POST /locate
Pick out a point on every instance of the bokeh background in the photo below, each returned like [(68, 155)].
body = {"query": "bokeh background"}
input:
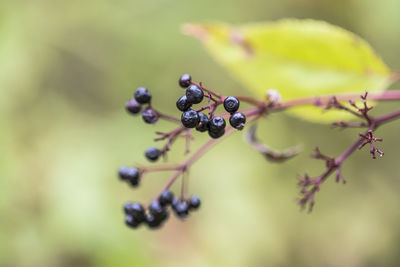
[(66, 70)]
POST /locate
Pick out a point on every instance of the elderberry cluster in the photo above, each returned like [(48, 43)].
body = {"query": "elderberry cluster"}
[(214, 125), (157, 212), (141, 97)]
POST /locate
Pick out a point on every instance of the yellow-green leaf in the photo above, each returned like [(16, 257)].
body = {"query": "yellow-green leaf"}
[(299, 58)]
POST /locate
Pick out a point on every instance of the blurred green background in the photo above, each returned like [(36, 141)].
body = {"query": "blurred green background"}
[(67, 68)]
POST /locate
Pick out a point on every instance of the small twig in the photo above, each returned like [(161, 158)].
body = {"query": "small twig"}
[(200, 84), (370, 139), (309, 186), (343, 124)]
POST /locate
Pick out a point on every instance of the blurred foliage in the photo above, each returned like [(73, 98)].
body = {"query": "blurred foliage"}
[(67, 67), (299, 58)]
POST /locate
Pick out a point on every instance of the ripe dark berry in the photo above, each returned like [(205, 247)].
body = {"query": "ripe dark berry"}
[(216, 135), (190, 118), (130, 174), (181, 209), (203, 123), (134, 183), (157, 210), (217, 124), (155, 207), (175, 202), (237, 120), (194, 202), (142, 95), (185, 80), (152, 153), (149, 116), (131, 221), (152, 221), (166, 198), (133, 106), (231, 104), (136, 210), (183, 104), (194, 94)]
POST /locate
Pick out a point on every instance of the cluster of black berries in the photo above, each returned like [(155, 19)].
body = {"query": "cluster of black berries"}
[(141, 97), (192, 119), (157, 212)]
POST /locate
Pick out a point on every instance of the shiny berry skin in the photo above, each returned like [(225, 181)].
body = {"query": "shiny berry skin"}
[(194, 202), (157, 210), (142, 95), (185, 80), (155, 207), (181, 209), (231, 104), (175, 202), (183, 104), (217, 124), (129, 174), (190, 118), (166, 198), (136, 210), (152, 221), (133, 107), (237, 120), (152, 153), (203, 123), (194, 94), (216, 135), (131, 221), (149, 116)]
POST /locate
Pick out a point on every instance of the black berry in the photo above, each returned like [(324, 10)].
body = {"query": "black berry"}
[(217, 124), (133, 106), (153, 222), (194, 202), (152, 153), (134, 183), (185, 80), (142, 95), (194, 94), (181, 209), (149, 116), (216, 135), (237, 120), (190, 118), (129, 174), (183, 104), (131, 221), (203, 123), (175, 202), (231, 104), (136, 210), (157, 210), (166, 198)]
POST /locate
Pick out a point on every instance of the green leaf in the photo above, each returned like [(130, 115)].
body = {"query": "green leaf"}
[(299, 58)]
